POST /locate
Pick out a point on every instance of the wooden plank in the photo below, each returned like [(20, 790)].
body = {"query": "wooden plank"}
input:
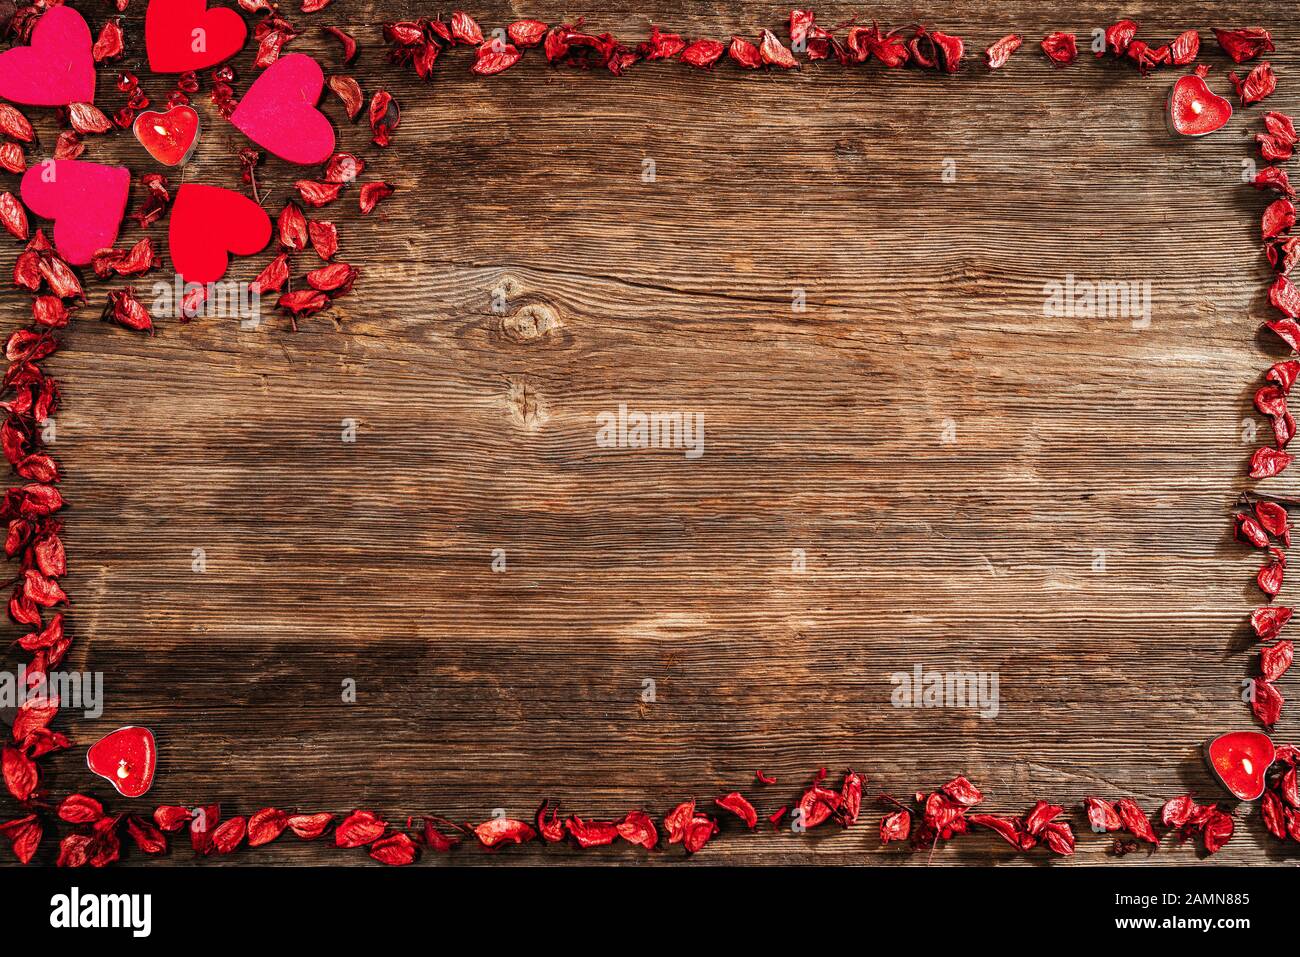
[(951, 461)]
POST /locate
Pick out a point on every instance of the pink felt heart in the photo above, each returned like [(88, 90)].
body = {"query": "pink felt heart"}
[(57, 68), (85, 200), (279, 111), (208, 223)]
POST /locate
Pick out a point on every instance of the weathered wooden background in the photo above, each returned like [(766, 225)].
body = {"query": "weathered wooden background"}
[(951, 462)]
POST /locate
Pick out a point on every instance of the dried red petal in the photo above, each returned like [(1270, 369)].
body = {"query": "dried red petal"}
[(228, 835), (1266, 701), (1135, 820), (24, 835), (435, 840), (1273, 518), (12, 158), (171, 817), (676, 820), (12, 216), (88, 118), (346, 39), (1276, 179), (495, 57), (1271, 575), (1008, 828), (385, 117), (1269, 620), (549, 824), (703, 54), (895, 826), (1218, 831), (1266, 463), (1250, 531), (1059, 837), (1258, 84), (1285, 298), (637, 828), (273, 277), (148, 839), (699, 830), (80, 809), (1271, 809), (266, 825), (745, 53), (317, 194), (324, 238), (999, 52), (20, 773), (396, 850), (591, 833), (292, 226), (349, 91), (310, 826), (372, 194), (1244, 44), (1118, 37), (464, 29), (1185, 48), (526, 33), (303, 302), (1102, 816), (773, 52), (344, 168), (1275, 660), (1060, 48), (109, 44), (736, 803), (14, 125), (502, 830), (127, 310), (336, 278), (357, 829)]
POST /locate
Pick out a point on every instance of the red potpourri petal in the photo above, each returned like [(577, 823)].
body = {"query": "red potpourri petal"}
[(999, 52), (1060, 48), (1244, 44)]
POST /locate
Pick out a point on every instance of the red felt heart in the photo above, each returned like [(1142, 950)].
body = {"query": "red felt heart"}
[(169, 137), (1239, 760), (1195, 109), (127, 758), (182, 35), (208, 223), (57, 68)]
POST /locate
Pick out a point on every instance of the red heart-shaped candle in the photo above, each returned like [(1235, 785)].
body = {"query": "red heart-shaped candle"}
[(169, 137), (127, 758), (1194, 109), (1239, 759)]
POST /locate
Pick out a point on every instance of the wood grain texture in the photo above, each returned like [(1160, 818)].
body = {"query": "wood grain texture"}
[(825, 430)]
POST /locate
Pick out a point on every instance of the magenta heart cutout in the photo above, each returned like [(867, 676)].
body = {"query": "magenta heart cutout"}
[(85, 200), (57, 69), (279, 111)]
